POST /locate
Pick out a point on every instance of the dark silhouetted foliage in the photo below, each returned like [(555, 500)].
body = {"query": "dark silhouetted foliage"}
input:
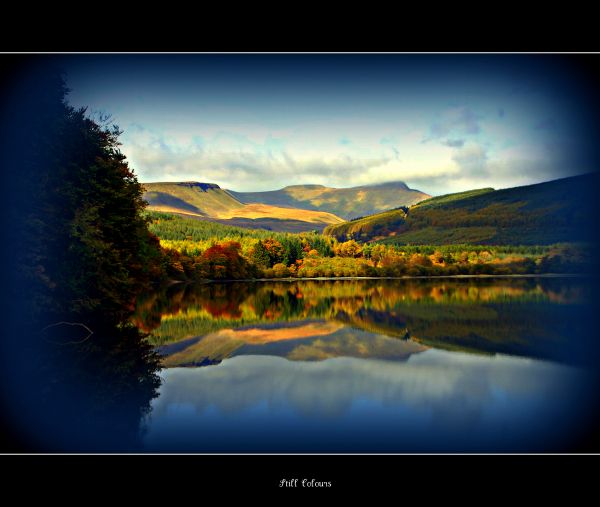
[(80, 254)]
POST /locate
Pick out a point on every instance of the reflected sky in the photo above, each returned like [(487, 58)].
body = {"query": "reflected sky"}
[(434, 401), (471, 365)]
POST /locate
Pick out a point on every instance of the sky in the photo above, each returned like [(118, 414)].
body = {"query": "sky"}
[(440, 123)]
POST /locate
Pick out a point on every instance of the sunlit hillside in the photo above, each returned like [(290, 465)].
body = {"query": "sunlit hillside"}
[(207, 201)]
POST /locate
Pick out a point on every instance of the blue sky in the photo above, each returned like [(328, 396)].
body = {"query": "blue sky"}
[(441, 123)]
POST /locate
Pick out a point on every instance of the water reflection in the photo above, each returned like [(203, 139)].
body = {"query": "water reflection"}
[(84, 392), (311, 320), (372, 366)]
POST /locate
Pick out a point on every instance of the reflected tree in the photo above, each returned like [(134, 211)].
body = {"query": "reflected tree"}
[(544, 318)]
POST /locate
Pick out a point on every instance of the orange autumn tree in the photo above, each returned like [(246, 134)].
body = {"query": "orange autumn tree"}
[(275, 250), (224, 261)]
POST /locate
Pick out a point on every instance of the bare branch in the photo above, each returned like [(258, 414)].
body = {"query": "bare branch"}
[(69, 324)]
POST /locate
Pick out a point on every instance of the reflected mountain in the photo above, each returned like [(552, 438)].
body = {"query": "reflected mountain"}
[(203, 324), (304, 341)]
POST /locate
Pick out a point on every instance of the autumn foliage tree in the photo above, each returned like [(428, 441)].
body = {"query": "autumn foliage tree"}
[(275, 250), (349, 248), (224, 261)]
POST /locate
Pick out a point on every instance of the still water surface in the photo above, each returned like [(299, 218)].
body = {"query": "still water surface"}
[(461, 365)]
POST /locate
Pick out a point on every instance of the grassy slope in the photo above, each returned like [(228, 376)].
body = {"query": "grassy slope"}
[(254, 211), (201, 199), (274, 224), (209, 201), (544, 213), (367, 228), (441, 200), (344, 202)]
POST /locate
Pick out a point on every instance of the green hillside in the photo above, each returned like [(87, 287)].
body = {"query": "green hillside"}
[(441, 200), (347, 203), (552, 212)]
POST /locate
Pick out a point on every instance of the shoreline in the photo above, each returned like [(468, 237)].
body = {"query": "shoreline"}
[(406, 277)]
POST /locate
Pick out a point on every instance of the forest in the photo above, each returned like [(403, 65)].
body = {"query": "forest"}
[(199, 250)]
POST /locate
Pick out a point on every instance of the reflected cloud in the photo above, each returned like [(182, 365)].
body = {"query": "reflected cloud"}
[(434, 391)]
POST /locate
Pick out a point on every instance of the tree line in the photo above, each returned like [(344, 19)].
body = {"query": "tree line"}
[(197, 250)]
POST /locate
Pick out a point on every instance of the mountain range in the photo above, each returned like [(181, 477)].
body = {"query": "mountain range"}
[(347, 203), (294, 208), (544, 213), (208, 201)]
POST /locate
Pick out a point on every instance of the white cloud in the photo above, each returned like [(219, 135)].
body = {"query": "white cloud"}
[(467, 150), (236, 161)]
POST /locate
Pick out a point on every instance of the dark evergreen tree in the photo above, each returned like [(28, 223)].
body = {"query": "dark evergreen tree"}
[(292, 250), (260, 255)]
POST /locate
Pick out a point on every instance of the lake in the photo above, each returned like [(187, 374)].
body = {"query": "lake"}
[(414, 365)]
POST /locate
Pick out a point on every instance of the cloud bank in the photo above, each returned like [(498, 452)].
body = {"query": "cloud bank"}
[(457, 150)]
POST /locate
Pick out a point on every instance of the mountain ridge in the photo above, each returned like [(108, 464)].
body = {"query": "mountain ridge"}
[(294, 208), (347, 202)]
